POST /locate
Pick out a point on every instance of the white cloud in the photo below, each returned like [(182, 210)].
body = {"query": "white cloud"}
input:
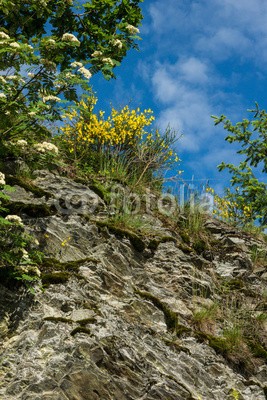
[(221, 28), (167, 16), (193, 70), (166, 87), (186, 106), (224, 43)]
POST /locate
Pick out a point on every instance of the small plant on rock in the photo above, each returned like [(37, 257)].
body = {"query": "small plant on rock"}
[(19, 256)]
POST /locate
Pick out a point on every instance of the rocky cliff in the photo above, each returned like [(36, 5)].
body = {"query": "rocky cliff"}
[(123, 313)]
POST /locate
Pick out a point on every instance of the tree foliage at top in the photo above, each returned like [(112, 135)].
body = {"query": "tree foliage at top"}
[(248, 178), (49, 48), (97, 24)]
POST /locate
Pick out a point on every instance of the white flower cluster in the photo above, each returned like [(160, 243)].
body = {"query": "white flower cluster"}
[(107, 60), (46, 146), (3, 35), (50, 42), (97, 54), (117, 43), (132, 29), (22, 143), (69, 37), (2, 179), (2, 96), (76, 64), (50, 98), (14, 218), (15, 45), (85, 72), (69, 75), (43, 3), (12, 77), (2, 79)]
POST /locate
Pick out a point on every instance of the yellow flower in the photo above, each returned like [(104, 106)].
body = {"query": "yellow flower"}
[(65, 242)]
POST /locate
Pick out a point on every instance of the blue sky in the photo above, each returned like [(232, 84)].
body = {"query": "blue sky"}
[(197, 58)]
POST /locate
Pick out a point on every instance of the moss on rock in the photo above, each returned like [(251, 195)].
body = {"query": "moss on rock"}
[(27, 185), (55, 277), (137, 242), (80, 329), (171, 318)]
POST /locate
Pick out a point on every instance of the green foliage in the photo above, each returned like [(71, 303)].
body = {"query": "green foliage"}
[(206, 314), (258, 256), (133, 222), (233, 328), (192, 229), (99, 25), (249, 191), (19, 256), (4, 198), (48, 49)]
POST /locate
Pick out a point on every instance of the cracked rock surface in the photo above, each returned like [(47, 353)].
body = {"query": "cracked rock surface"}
[(120, 327)]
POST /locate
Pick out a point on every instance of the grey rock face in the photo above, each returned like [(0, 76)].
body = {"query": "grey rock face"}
[(108, 333), (62, 196), (69, 197)]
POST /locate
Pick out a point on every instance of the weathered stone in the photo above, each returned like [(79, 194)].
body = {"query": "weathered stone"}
[(123, 325), (82, 315), (69, 197), (22, 196)]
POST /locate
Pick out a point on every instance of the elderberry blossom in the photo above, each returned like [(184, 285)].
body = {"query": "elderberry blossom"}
[(97, 54), (132, 29), (14, 218), (22, 143), (69, 37), (76, 64), (85, 72), (15, 45), (2, 179), (3, 35), (107, 60), (117, 43), (46, 146), (50, 98)]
